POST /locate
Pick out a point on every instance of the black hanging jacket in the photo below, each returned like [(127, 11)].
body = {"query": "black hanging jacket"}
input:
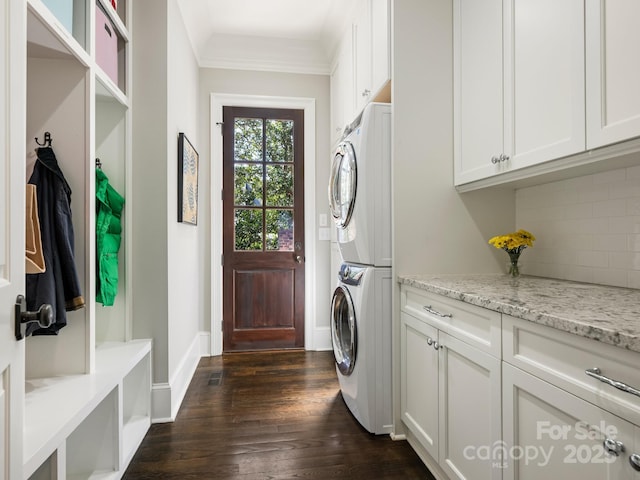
[(58, 285)]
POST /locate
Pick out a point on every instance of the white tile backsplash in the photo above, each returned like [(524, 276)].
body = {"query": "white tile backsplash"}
[(587, 228)]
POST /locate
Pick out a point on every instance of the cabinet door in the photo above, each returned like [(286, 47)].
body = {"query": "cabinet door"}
[(419, 381), (613, 71), (478, 89), (341, 84), (362, 53), (470, 410), (544, 80), (549, 433), (380, 44)]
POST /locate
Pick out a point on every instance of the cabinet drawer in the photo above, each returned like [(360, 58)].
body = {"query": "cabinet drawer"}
[(562, 358), (475, 325)]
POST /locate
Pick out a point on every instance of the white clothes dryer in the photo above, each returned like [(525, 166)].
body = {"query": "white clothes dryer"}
[(360, 188), (361, 337)]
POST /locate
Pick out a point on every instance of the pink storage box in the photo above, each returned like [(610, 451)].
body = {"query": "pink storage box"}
[(106, 45)]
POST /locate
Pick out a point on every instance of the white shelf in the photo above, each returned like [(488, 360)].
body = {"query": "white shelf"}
[(95, 476), (107, 89), (56, 406)]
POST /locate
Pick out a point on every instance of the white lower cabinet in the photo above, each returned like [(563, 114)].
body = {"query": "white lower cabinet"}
[(490, 396), (450, 399), (419, 381), (550, 433)]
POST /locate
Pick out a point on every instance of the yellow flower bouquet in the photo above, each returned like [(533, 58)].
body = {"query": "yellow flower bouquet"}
[(513, 244)]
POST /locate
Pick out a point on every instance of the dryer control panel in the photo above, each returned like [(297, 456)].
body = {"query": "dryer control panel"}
[(351, 274)]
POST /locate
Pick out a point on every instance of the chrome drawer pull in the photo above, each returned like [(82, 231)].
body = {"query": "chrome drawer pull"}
[(434, 312), (597, 374)]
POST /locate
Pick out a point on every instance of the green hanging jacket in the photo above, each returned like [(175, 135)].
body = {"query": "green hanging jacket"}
[(109, 205)]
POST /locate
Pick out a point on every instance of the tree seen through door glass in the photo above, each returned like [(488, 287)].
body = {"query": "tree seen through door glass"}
[(263, 177), (247, 141), (248, 223), (248, 184), (279, 141)]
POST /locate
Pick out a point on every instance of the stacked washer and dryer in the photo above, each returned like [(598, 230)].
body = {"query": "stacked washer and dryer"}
[(360, 199)]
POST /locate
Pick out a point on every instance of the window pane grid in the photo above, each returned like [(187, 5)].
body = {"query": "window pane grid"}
[(263, 184)]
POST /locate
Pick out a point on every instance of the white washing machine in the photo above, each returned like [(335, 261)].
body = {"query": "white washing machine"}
[(361, 337), (360, 188)]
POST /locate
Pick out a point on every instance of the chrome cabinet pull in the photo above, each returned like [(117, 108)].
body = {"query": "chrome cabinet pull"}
[(434, 312), (495, 160), (429, 341), (597, 374), (436, 345), (612, 446), (634, 460)]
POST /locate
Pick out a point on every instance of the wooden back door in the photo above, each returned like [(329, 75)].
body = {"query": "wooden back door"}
[(263, 229)]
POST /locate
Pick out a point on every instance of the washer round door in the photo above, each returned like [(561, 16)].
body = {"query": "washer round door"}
[(342, 184), (344, 335)]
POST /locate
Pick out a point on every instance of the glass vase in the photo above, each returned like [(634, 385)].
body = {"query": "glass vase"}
[(514, 269)]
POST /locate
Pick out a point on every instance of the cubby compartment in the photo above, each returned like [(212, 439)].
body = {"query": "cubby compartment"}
[(111, 119), (110, 40), (136, 403), (70, 16), (92, 448), (57, 85)]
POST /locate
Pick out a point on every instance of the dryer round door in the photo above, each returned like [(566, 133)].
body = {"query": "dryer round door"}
[(343, 183), (344, 335)]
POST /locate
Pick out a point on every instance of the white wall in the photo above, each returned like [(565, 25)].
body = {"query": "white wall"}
[(243, 82), (187, 272), (587, 228), (169, 299), (149, 197), (436, 229)]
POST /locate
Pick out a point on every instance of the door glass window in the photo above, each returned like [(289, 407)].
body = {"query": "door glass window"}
[(263, 184)]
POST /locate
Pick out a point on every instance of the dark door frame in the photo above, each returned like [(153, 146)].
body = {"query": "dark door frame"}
[(316, 337)]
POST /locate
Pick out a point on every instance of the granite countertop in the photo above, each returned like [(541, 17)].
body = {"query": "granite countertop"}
[(607, 314)]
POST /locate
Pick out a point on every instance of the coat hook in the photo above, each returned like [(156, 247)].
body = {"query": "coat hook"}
[(47, 140)]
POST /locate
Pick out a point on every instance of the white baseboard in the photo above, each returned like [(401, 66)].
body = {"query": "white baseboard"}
[(166, 398), (321, 339)]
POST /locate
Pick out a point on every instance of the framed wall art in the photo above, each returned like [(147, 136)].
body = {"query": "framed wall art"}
[(187, 181)]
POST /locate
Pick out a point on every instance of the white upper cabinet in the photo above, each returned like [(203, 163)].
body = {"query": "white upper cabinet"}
[(519, 93), (362, 53), (540, 84), (362, 66), (613, 71), (544, 80), (380, 45), (478, 90), (341, 84)]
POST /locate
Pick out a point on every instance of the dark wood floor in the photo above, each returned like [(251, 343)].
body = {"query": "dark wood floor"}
[(275, 415)]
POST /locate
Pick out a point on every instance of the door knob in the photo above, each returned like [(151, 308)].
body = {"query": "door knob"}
[(298, 258), (43, 316)]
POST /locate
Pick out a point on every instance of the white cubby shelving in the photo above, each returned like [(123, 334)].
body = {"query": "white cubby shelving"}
[(87, 389)]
